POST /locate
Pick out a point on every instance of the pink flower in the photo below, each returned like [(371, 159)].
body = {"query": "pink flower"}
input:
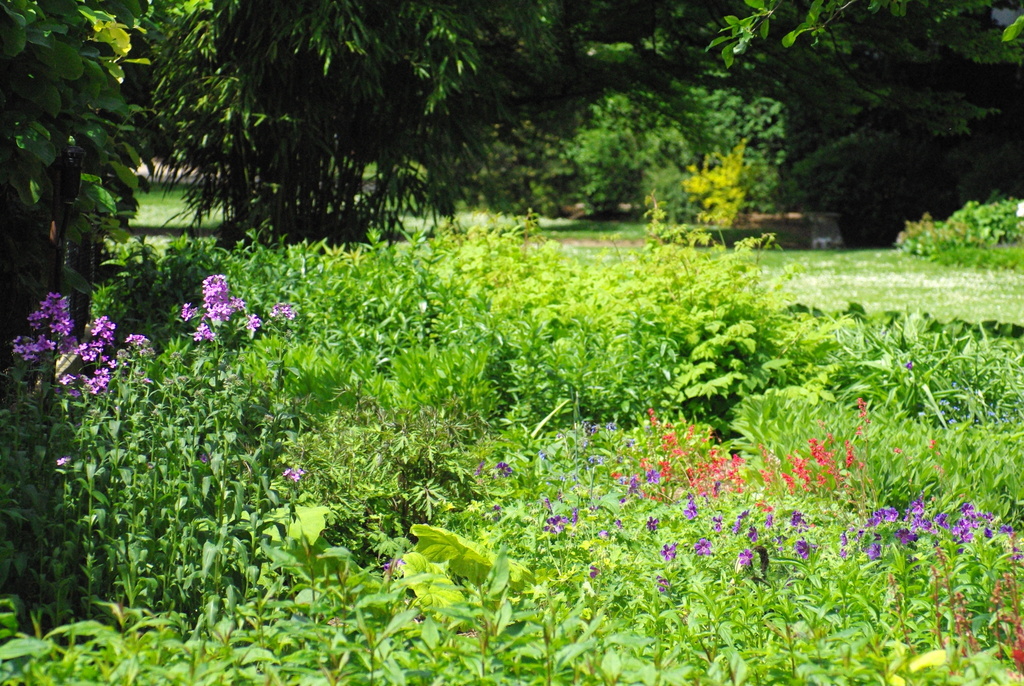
[(188, 311)]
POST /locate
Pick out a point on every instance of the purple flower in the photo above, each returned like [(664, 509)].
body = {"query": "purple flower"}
[(203, 333), (739, 521), (556, 524), (204, 458), (634, 485), (294, 474), (716, 523), (752, 534), (594, 571), (905, 536), (702, 547), (798, 521), (188, 311), (1006, 529), (30, 349), (874, 551), (618, 523), (253, 323), (503, 469), (802, 548), (217, 299), (282, 310), (668, 553), (603, 535), (61, 461), (909, 365), (99, 381), (942, 520), (690, 511), (392, 565), (663, 585), (745, 558), (769, 521), (652, 524)]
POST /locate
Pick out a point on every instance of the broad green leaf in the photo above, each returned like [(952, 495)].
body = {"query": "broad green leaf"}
[(1014, 29), (464, 557), (12, 38), (29, 190), (21, 647), (64, 60), (933, 658), (428, 581), (727, 55), (101, 196), (309, 523)]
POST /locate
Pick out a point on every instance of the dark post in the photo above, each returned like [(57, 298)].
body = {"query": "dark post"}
[(69, 183)]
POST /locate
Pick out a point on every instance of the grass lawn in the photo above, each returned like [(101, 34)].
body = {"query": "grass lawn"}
[(163, 210), (886, 280)]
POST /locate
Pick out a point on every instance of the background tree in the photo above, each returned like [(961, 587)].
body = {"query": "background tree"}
[(892, 113), (323, 118)]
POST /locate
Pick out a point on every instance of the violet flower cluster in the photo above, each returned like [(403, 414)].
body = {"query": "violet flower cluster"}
[(53, 326), (219, 306)]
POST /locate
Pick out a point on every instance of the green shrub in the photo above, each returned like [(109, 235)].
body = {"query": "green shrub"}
[(380, 471), (947, 373), (1011, 258), (906, 458), (681, 329), (975, 225)]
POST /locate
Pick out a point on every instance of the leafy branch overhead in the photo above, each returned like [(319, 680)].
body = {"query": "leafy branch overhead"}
[(739, 32)]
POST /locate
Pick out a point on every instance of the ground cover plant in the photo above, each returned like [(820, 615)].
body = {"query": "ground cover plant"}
[(472, 459)]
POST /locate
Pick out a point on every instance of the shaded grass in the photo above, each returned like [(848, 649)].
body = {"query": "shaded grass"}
[(163, 210)]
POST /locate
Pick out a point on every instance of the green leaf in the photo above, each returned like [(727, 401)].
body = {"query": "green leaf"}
[(1014, 29), (12, 37), (29, 190), (101, 196), (727, 55), (76, 281), (428, 581), (21, 647), (309, 523), (464, 557), (756, 4), (790, 38), (64, 60)]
